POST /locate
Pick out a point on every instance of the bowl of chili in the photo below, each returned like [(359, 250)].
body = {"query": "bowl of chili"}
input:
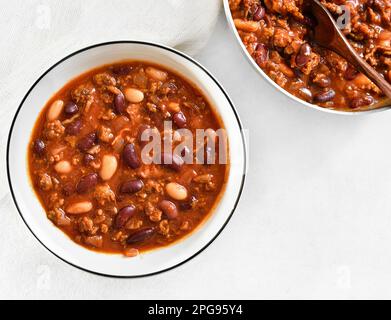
[(80, 178), (275, 37)]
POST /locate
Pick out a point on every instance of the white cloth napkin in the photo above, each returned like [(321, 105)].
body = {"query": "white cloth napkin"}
[(37, 33)]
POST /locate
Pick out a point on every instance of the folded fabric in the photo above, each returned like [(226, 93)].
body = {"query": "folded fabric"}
[(36, 34)]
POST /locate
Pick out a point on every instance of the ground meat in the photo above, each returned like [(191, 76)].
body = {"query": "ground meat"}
[(94, 241), (54, 130), (104, 195), (284, 7), (45, 182), (164, 227), (152, 212), (58, 216), (83, 94), (281, 38), (134, 224), (312, 63), (86, 225), (336, 62), (105, 134), (104, 79)]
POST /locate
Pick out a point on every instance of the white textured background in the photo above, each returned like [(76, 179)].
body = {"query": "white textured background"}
[(315, 217)]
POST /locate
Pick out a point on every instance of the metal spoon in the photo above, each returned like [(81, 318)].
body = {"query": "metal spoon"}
[(328, 35)]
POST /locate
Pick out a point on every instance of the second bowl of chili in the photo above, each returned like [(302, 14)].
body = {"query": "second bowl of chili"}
[(275, 36)]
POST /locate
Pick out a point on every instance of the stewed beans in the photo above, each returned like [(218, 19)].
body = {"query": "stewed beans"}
[(88, 168), (278, 35)]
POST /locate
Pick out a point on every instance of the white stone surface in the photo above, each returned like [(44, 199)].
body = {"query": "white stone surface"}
[(314, 220)]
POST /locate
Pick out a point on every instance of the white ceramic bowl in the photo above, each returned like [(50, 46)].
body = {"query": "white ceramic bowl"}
[(275, 85), (30, 209)]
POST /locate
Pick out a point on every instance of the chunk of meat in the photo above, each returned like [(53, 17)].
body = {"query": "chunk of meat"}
[(164, 228), (58, 216), (104, 195), (284, 7), (94, 241), (104, 79), (134, 224), (105, 134), (152, 212), (83, 94), (86, 225), (281, 38), (45, 182), (54, 130)]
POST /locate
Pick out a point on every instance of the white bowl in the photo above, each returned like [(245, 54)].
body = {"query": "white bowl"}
[(33, 214), (275, 85)]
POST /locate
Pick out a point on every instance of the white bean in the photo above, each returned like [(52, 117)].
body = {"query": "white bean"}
[(63, 167), (246, 26), (108, 167), (176, 191), (79, 207), (55, 110), (134, 95), (156, 74)]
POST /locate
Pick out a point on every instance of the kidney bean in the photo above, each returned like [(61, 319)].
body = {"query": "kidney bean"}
[(130, 156), (180, 119), (169, 209), (132, 186), (71, 108), (122, 70), (88, 158), (259, 13), (304, 55), (124, 215), (74, 128), (87, 142), (261, 54), (350, 73), (172, 161), (141, 235), (87, 183), (189, 204), (324, 96), (39, 147), (120, 104), (360, 102)]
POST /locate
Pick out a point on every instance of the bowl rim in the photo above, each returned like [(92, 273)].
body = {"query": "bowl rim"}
[(174, 51), (275, 85)]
